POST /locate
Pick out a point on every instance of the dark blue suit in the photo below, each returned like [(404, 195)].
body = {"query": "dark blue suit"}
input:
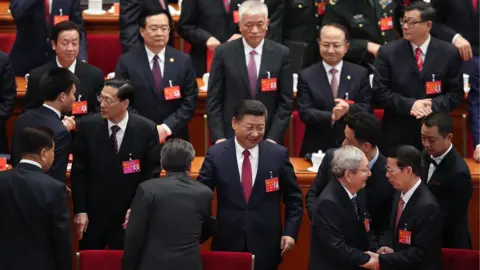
[(44, 117), (255, 227), (32, 47)]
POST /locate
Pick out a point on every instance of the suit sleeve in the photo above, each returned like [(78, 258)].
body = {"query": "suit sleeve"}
[(8, 92), (439, 29), (129, 26), (453, 86), (327, 228), (209, 222), (151, 163), (426, 236), (319, 183), (62, 150), (189, 89), (79, 173), (22, 9), (283, 110), (276, 11), (121, 70), (207, 171), (308, 114), (77, 18), (214, 102), (62, 242), (362, 100), (136, 231), (382, 94), (33, 96), (292, 198), (187, 25)]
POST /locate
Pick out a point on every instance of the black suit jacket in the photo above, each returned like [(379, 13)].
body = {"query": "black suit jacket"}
[(8, 93), (91, 84), (151, 103), (202, 19), (379, 192), (422, 217), (151, 241), (451, 184), (97, 176), (35, 228), (229, 84), (457, 17), (257, 224), (316, 102), (45, 117), (339, 237), (33, 29), (397, 84)]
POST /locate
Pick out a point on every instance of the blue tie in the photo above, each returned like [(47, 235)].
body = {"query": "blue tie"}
[(355, 204)]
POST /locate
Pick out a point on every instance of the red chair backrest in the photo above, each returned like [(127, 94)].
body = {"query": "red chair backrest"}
[(99, 260), (215, 260), (460, 259)]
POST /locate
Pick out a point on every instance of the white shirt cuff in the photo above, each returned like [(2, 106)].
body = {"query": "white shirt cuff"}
[(167, 129), (478, 146), (455, 37)]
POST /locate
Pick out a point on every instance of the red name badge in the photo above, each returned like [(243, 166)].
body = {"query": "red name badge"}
[(80, 107), (404, 237), (236, 17), (433, 88), (269, 85), (321, 8), (172, 92), (3, 164), (131, 166), (366, 222), (386, 23), (59, 19), (272, 185), (350, 102)]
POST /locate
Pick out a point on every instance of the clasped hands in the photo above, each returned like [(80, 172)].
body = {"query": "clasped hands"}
[(421, 108), (374, 263), (341, 109)]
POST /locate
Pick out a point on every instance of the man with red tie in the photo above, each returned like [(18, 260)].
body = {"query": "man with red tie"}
[(415, 76), (252, 178)]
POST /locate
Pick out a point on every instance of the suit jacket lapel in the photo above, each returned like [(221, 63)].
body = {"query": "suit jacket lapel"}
[(324, 86), (429, 57), (81, 73), (438, 174), (346, 202), (259, 184), (231, 162), (146, 71), (344, 82), (128, 139), (262, 73), (168, 68), (409, 207), (410, 56), (242, 64)]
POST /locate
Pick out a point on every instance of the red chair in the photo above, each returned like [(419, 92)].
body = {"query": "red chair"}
[(215, 260), (460, 259), (298, 131), (104, 51), (99, 260), (6, 41)]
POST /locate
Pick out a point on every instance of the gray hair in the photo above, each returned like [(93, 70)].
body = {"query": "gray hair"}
[(177, 155), (346, 158), (252, 7)]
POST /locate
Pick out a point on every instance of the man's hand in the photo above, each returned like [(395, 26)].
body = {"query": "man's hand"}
[(234, 36), (464, 48), (127, 216), (476, 154), (81, 220), (384, 250), (272, 141), (421, 108), (373, 263), (373, 48), (212, 43), (69, 122), (341, 107), (220, 140), (286, 244), (162, 134)]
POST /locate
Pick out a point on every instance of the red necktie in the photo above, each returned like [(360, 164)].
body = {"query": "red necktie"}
[(246, 175), (418, 57), (406, 2), (475, 5), (46, 9), (162, 3), (401, 203), (227, 4)]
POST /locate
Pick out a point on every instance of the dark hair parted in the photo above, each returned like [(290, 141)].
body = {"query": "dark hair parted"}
[(142, 21), (125, 88), (338, 26), (64, 26), (427, 12), (34, 139), (56, 81), (249, 107), (442, 121), (407, 156), (365, 126), (177, 155)]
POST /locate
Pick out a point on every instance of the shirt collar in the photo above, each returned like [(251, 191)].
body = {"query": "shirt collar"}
[(53, 109), (424, 46), (150, 55), (406, 197), (122, 124), (374, 159), (28, 161), (440, 158), (71, 67), (338, 67), (239, 150), (350, 195), (248, 49)]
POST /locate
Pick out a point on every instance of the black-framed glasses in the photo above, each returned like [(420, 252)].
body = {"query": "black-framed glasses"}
[(107, 100), (410, 23), (392, 170)]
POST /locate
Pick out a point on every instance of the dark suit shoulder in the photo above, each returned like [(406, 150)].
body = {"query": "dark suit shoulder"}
[(39, 71), (443, 45), (277, 46), (3, 57), (141, 121), (91, 69), (312, 71), (426, 199), (458, 165), (177, 53), (273, 147), (354, 68)]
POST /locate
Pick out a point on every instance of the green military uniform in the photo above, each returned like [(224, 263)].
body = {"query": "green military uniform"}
[(363, 19)]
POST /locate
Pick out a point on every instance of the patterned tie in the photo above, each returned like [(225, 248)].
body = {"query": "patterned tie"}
[(334, 83), (400, 206), (226, 3), (252, 73), (113, 138), (46, 9), (157, 73), (418, 57), (246, 175), (355, 204)]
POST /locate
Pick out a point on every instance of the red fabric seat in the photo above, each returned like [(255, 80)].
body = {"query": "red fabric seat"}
[(104, 51), (460, 259), (99, 260), (215, 260), (6, 41), (298, 132)]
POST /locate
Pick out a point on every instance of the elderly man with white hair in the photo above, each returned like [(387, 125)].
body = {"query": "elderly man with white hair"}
[(250, 68), (340, 230)]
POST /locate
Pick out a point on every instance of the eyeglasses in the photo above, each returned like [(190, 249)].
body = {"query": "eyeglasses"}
[(107, 100), (410, 23), (363, 170), (389, 170)]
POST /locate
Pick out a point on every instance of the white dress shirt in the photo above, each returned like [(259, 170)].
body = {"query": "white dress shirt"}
[(432, 168), (258, 55), (424, 48), (406, 197), (28, 161), (338, 67), (253, 159), (350, 195), (122, 125), (71, 67), (53, 109)]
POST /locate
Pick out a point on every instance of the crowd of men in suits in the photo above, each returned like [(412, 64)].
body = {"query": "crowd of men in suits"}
[(388, 193)]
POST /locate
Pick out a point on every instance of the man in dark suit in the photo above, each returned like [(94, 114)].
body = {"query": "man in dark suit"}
[(205, 24), (447, 176), (35, 225), (417, 220), (166, 89), (170, 216), (341, 223), (250, 68), (328, 90), (8, 93), (252, 177), (59, 87), (130, 17), (362, 131), (414, 77), (113, 152), (65, 41), (35, 21)]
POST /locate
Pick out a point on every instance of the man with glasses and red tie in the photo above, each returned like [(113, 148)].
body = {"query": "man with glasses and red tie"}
[(415, 76)]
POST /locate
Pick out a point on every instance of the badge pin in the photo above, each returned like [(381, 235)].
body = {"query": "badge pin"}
[(172, 60)]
